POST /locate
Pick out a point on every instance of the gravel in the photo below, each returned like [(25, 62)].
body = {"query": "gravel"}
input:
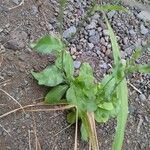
[(69, 32), (143, 29), (95, 39), (77, 64), (144, 15)]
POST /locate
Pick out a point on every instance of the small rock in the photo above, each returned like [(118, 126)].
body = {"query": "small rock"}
[(34, 10), (91, 32), (132, 32), (1, 30), (16, 1), (95, 39), (73, 50), (90, 46), (103, 48), (106, 32), (77, 64), (69, 32), (142, 97), (111, 14), (103, 66), (92, 25), (143, 29), (17, 40), (144, 15)]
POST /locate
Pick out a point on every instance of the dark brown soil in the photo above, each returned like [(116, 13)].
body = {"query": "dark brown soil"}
[(20, 27)]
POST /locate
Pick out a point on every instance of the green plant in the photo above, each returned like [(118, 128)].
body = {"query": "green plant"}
[(92, 101)]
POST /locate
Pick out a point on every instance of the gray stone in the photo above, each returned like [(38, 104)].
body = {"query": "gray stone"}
[(34, 10), (91, 32), (69, 32), (106, 32), (90, 46), (16, 1), (77, 64), (144, 15), (95, 39), (103, 66), (132, 32), (143, 29), (92, 25), (1, 30), (111, 14), (142, 97)]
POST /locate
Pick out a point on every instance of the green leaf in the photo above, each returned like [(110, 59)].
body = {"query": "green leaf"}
[(75, 96), (122, 94), (110, 8), (144, 68), (71, 117), (91, 106), (51, 76), (84, 134), (106, 106), (48, 44), (55, 94), (101, 115), (67, 64)]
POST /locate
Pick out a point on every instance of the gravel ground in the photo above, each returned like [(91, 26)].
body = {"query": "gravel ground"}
[(22, 25)]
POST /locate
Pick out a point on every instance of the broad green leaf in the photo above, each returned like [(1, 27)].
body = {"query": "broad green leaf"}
[(101, 115), (67, 64), (55, 94), (74, 96), (110, 8), (51, 76), (91, 106), (71, 117), (122, 94), (48, 44), (144, 68), (106, 106), (84, 134)]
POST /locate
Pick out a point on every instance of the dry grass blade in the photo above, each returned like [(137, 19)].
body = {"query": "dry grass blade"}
[(38, 146), (5, 130), (76, 132), (36, 110), (134, 88), (12, 99), (21, 3), (93, 139)]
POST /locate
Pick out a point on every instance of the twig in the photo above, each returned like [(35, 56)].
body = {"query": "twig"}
[(29, 106), (21, 3), (63, 130), (76, 131), (13, 99), (29, 139), (134, 88), (4, 82), (5, 130), (38, 146)]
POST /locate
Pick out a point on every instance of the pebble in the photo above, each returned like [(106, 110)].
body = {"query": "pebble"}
[(91, 32), (144, 15), (77, 64), (106, 32), (34, 10), (90, 46), (143, 29), (92, 25), (69, 32), (132, 32), (142, 97), (1, 30), (111, 14), (103, 66), (73, 50), (16, 1), (95, 39)]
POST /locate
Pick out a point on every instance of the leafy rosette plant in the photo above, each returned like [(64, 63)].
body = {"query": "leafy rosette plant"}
[(91, 101)]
